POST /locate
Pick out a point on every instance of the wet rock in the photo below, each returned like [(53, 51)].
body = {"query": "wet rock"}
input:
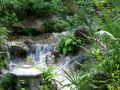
[(31, 45), (50, 59), (28, 41), (56, 54), (56, 37), (4, 71), (76, 62), (3, 48), (18, 51), (36, 23), (81, 33)]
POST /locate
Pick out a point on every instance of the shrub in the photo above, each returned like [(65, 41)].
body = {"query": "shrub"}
[(78, 80), (3, 34), (57, 27), (106, 63), (61, 26), (28, 32), (3, 63), (8, 82), (47, 79), (69, 44)]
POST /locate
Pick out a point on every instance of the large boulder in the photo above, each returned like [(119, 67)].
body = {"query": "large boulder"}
[(18, 51), (36, 23)]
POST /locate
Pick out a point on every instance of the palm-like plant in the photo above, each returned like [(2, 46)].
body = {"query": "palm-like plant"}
[(78, 80)]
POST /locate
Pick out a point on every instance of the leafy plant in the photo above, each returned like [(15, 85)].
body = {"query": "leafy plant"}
[(28, 32), (61, 26), (107, 66), (8, 20), (49, 75), (8, 82), (57, 27), (78, 80), (3, 34), (107, 63), (70, 44), (47, 78), (3, 62)]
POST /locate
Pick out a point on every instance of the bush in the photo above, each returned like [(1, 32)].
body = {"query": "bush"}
[(3, 35), (107, 63), (8, 82), (69, 44), (57, 27), (3, 62), (78, 80), (28, 32), (47, 80)]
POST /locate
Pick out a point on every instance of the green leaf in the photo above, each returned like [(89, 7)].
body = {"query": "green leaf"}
[(70, 49), (65, 50), (68, 41)]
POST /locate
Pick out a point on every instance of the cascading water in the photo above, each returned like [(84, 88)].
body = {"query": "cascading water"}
[(40, 52), (37, 52)]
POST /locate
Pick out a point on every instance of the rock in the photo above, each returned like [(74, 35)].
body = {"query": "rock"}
[(76, 62), (4, 71), (28, 41), (56, 54), (36, 23), (18, 51), (53, 19), (50, 59), (3, 48), (32, 48), (31, 45), (81, 33), (56, 37), (26, 71)]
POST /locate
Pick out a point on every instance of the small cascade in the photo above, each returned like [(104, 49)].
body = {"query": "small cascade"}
[(39, 53)]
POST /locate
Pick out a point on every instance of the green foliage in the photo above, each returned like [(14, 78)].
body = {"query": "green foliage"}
[(70, 44), (61, 26), (8, 20), (49, 75), (3, 62), (46, 8), (46, 83), (7, 82), (107, 66), (57, 27), (3, 34), (106, 62), (78, 80), (38, 7), (28, 32)]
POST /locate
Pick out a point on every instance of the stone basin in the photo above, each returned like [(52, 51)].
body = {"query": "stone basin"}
[(27, 73)]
